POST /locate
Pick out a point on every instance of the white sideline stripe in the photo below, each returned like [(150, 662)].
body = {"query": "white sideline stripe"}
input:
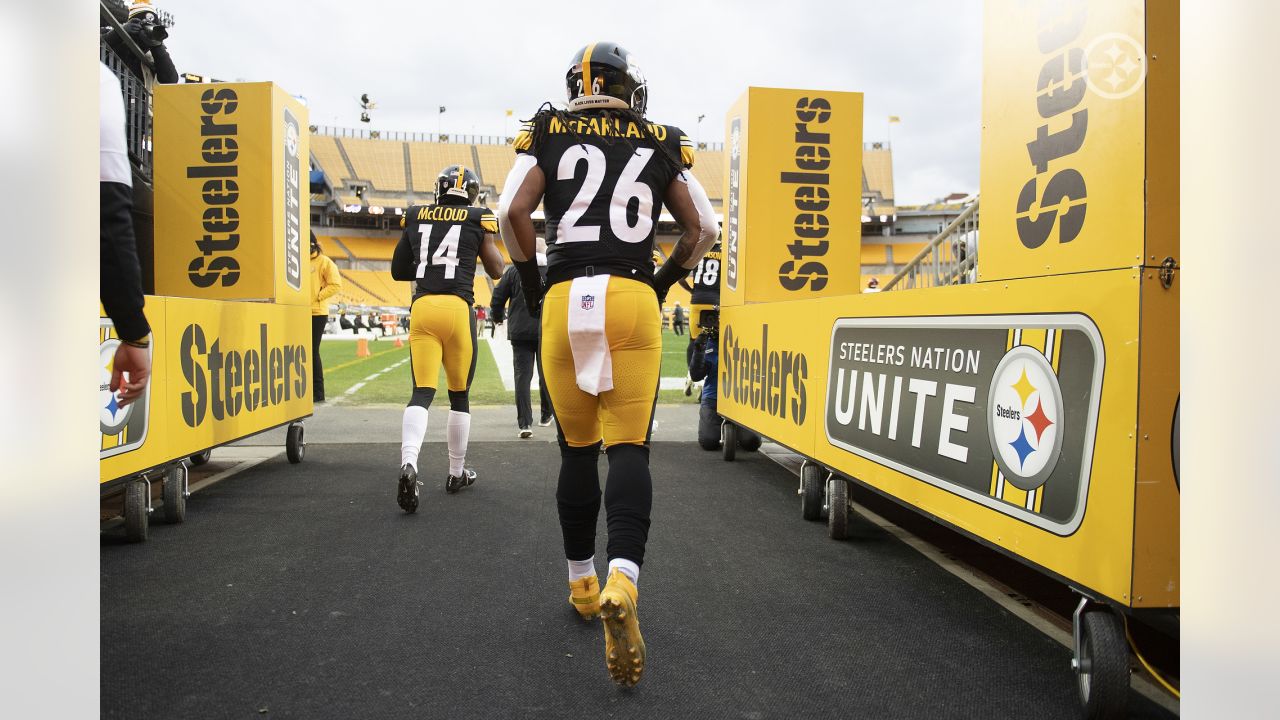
[(503, 357), (1035, 615), (356, 388)]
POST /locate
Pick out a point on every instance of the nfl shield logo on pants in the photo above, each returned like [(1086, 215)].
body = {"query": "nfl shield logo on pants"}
[(588, 302)]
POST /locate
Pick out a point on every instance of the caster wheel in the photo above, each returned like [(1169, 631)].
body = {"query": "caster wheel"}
[(175, 494), (729, 448), (201, 458), (295, 445), (837, 508), (1102, 671), (750, 441), (135, 510), (810, 491)]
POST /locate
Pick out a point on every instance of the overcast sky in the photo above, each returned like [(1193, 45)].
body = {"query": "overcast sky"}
[(917, 59)]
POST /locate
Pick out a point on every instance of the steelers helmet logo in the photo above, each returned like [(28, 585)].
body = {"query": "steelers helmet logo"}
[(291, 139), (1116, 65), (1025, 422), (111, 416)]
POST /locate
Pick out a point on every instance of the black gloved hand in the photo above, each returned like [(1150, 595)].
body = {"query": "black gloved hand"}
[(669, 274), (531, 286)]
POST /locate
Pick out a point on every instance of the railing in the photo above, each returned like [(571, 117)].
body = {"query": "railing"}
[(137, 99), (406, 136), (950, 258)]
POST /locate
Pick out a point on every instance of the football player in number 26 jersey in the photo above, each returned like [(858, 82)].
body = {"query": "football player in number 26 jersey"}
[(437, 252), (603, 173)]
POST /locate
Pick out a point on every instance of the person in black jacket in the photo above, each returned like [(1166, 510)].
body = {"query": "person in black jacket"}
[(145, 29), (524, 333), (120, 274)]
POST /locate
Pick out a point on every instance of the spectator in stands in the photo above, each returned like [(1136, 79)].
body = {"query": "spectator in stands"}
[(120, 275), (873, 285), (146, 31), (524, 333), (326, 281), (677, 319)]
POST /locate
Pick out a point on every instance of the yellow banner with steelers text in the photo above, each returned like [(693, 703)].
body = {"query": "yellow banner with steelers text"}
[(220, 371), (232, 198), (792, 214)]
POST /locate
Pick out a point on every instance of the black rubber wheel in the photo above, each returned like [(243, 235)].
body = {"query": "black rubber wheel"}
[(135, 510), (1102, 679), (201, 458), (837, 508), (750, 441), (175, 494), (729, 448), (295, 445), (810, 491)]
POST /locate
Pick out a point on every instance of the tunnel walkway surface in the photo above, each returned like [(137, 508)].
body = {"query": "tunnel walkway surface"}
[(302, 591)]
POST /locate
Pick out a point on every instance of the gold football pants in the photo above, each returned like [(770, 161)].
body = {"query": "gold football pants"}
[(442, 329), (623, 415)]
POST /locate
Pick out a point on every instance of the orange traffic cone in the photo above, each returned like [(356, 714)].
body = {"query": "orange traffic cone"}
[(399, 343), (362, 348)]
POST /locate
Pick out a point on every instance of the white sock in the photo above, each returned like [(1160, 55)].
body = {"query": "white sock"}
[(459, 431), (412, 430), (579, 569), (626, 567)]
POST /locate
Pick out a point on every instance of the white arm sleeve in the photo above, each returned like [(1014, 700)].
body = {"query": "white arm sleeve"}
[(706, 219), (524, 163)]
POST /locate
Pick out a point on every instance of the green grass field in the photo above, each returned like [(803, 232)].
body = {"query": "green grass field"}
[(343, 370)]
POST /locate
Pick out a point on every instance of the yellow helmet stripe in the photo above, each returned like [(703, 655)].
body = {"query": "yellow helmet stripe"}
[(462, 172), (586, 69)]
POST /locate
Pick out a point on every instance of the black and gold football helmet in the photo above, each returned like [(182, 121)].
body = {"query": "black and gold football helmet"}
[(457, 185), (605, 75)]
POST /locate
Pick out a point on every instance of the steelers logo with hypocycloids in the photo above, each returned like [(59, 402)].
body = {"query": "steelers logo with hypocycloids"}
[(1116, 65), (112, 418), (1025, 417), (291, 139)]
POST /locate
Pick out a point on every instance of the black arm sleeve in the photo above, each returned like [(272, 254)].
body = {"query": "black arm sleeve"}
[(402, 259), (165, 71), (502, 293), (120, 275)]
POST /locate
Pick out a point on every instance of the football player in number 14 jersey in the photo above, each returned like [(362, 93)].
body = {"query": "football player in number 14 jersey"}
[(603, 173), (438, 251)]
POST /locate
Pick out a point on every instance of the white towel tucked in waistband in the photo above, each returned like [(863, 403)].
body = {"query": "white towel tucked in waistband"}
[(592, 362)]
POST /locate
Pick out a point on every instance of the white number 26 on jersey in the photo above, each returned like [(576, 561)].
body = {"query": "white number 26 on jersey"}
[(627, 187)]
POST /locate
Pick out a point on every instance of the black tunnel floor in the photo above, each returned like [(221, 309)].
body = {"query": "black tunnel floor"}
[(302, 591)]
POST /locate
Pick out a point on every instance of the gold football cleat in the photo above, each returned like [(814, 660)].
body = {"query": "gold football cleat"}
[(584, 596), (623, 646)]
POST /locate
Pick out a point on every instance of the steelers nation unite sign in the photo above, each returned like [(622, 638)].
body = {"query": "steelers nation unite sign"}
[(1000, 410)]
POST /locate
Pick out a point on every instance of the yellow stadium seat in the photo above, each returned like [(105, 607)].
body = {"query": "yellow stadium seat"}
[(367, 248), (874, 254), (495, 163), (381, 162), (427, 159), (708, 168), (325, 149)]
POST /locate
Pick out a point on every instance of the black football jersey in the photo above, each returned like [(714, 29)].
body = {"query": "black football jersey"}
[(705, 279), (604, 190), (443, 242)]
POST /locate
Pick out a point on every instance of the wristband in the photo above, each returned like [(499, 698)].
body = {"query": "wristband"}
[(144, 343)]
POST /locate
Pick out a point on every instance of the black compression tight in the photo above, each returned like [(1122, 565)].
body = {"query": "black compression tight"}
[(628, 499)]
